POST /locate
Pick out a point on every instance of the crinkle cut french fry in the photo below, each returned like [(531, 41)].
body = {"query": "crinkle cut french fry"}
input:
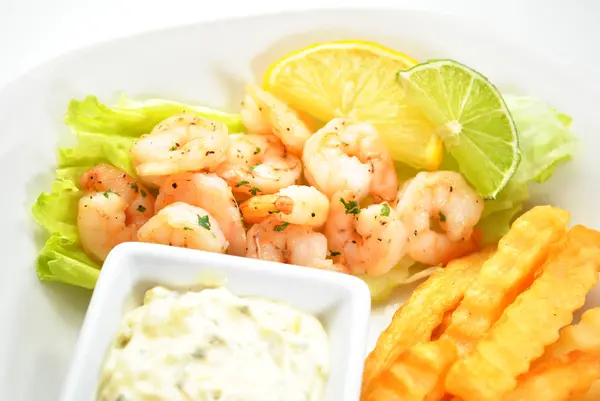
[(584, 336), (569, 367), (441, 329), (529, 324), (560, 380), (422, 313), (593, 394), (415, 373), (505, 275), (531, 237)]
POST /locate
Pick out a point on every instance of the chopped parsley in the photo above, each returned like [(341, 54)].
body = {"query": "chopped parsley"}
[(203, 222), (351, 207), (109, 192), (143, 193), (281, 227), (188, 229), (442, 217), (256, 151), (254, 191), (135, 187), (385, 209), (239, 184), (141, 209), (173, 148), (333, 253), (254, 167)]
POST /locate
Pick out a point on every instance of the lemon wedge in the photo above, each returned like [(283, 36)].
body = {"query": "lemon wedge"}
[(357, 79)]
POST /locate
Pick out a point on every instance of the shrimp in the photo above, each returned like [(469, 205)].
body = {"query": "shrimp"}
[(212, 194), (345, 155), (252, 118), (114, 207), (179, 144), (284, 121), (297, 204), (446, 198), (186, 226), (282, 242), (259, 164), (368, 241)]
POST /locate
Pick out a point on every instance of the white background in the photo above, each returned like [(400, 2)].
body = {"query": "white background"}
[(32, 31)]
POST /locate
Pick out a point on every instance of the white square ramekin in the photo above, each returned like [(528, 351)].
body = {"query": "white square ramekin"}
[(341, 302)]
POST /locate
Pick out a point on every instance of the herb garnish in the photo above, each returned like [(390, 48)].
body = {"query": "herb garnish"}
[(203, 222), (351, 207), (281, 227)]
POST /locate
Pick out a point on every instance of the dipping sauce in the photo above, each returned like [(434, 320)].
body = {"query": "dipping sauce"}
[(212, 345)]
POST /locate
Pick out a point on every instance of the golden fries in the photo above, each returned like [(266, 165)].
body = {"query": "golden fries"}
[(530, 323), (497, 338), (560, 380), (441, 329), (568, 368), (512, 269), (419, 373), (584, 336), (593, 394), (421, 314)]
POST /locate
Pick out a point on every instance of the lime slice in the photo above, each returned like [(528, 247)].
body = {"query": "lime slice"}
[(472, 119)]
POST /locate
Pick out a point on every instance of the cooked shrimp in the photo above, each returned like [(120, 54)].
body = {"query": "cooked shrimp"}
[(113, 209), (446, 198), (211, 193), (284, 121), (370, 240), (180, 144), (253, 119), (344, 155), (186, 226), (282, 242), (258, 165), (297, 204)]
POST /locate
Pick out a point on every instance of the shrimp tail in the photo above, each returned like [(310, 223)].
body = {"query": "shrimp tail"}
[(258, 208)]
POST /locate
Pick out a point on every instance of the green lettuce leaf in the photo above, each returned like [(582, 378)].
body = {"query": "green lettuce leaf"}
[(133, 118), (104, 135), (405, 272), (545, 140)]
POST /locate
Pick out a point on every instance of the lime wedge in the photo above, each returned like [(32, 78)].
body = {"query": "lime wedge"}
[(470, 117)]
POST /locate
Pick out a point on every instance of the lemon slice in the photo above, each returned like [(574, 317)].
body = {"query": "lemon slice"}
[(472, 119), (357, 79)]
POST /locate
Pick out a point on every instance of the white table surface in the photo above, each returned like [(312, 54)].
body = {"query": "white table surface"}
[(33, 31)]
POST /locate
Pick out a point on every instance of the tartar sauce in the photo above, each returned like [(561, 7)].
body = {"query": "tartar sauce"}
[(213, 345)]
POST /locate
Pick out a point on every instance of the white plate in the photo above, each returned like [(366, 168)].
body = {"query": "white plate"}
[(208, 64)]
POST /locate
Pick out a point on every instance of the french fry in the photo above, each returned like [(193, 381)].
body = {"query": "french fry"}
[(415, 375), (441, 329), (529, 324), (411, 380), (560, 380), (419, 373), (568, 368), (416, 319), (584, 336), (593, 393), (512, 269)]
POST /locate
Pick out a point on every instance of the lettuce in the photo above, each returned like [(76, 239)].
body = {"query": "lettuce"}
[(104, 135), (545, 140), (405, 272)]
